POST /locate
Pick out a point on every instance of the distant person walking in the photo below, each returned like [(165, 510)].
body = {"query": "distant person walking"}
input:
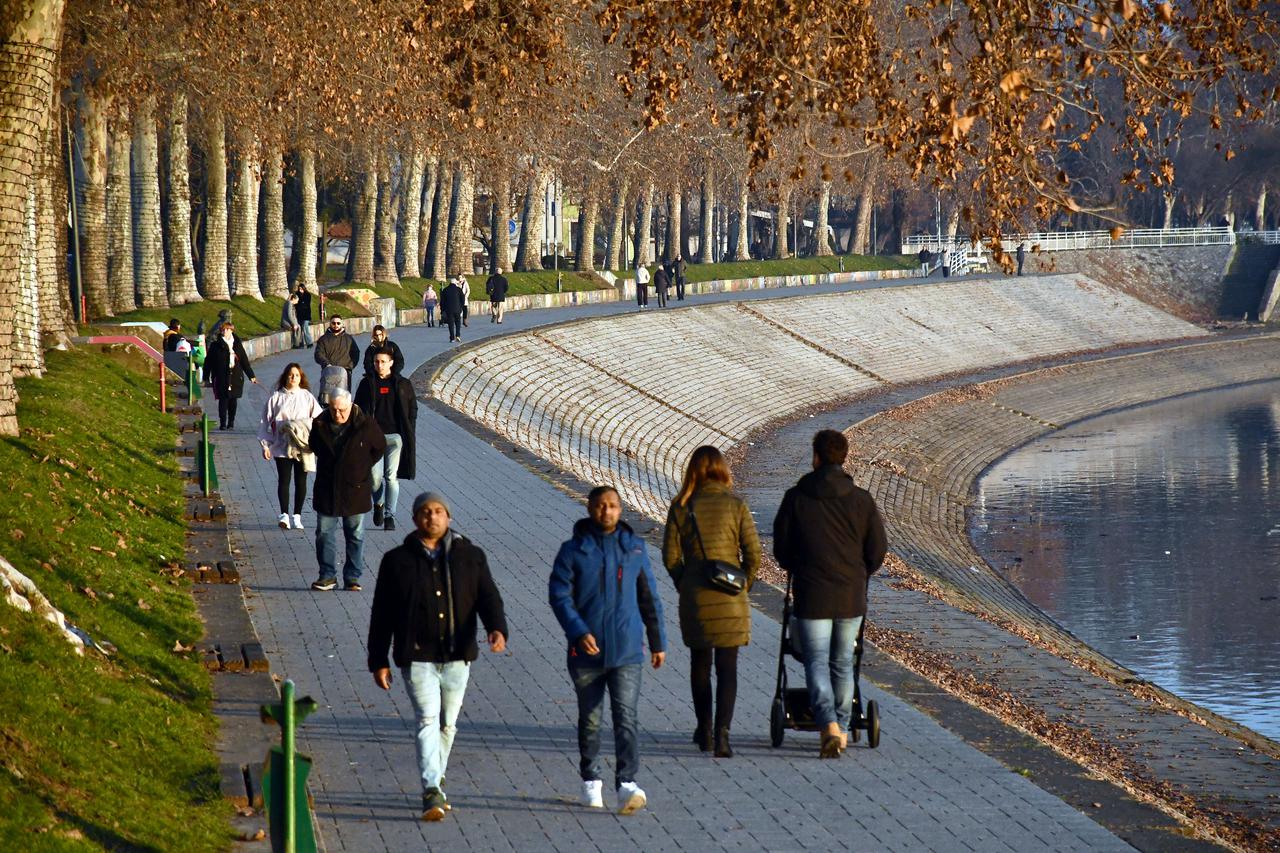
[(642, 286), (451, 305), (289, 320), (828, 535), (1022, 256), (215, 331), (604, 595), (661, 281), (678, 269), (337, 348), (497, 287), (388, 397), (465, 286), (304, 314), (707, 521), (346, 442), (228, 365), (284, 432), (433, 646), (379, 342), (429, 302)]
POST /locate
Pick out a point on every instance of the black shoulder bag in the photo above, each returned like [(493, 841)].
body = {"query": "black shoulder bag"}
[(721, 575)]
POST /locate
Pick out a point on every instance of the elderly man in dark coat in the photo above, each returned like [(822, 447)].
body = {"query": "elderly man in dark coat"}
[(452, 301), (388, 398), (346, 442)]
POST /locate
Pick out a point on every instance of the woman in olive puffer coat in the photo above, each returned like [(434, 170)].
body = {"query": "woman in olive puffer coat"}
[(713, 623)]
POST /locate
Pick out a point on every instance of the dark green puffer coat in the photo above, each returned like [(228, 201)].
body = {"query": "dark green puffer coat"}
[(710, 618)]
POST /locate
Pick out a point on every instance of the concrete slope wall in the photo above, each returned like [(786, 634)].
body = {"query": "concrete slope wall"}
[(626, 399)]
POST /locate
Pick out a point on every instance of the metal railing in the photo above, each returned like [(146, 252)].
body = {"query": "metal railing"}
[(1271, 238), (1060, 241)]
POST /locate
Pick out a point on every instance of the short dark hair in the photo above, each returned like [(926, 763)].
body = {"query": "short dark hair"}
[(830, 446), (600, 491), (175, 323)]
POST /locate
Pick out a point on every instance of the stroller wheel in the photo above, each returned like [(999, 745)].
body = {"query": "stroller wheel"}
[(777, 722), (873, 724)]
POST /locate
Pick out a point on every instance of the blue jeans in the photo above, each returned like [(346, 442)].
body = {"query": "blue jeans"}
[(327, 546), (306, 332), (436, 691), (623, 683), (391, 462), (828, 667)]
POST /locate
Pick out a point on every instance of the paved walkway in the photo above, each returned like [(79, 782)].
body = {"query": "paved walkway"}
[(513, 777)]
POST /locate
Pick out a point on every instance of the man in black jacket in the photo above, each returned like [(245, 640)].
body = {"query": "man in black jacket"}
[(388, 398), (451, 304), (828, 535), (677, 271), (497, 287), (429, 594), (346, 442)]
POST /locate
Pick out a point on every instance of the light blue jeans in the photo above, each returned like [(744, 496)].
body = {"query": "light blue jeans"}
[(828, 667), (327, 546), (436, 691), (391, 462)]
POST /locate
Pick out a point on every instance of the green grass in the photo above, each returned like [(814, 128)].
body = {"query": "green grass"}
[(252, 318), (408, 294), (101, 752), (789, 266)]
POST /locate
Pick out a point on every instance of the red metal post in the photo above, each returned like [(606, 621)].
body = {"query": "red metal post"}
[(163, 403)]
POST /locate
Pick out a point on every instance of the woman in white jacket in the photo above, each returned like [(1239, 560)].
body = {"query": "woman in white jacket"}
[(291, 402)]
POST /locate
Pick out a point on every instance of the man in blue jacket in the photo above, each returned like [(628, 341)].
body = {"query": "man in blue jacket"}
[(604, 595)]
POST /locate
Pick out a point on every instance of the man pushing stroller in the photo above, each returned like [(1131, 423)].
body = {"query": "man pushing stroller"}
[(828, 535)]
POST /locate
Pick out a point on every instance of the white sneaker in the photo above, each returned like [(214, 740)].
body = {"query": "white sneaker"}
[(630, 798), (593, 794), (284, 521), (297, 521)]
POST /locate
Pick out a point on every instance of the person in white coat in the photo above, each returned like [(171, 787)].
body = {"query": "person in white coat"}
[(291, 402)]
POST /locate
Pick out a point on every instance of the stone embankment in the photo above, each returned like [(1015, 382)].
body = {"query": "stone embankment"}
[(627, 399)]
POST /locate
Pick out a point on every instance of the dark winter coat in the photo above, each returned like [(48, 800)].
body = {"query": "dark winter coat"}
[(406, 407), (828, 535), (710, 618), (403, 577), (397, 357), (228, 381), (603, 586), (451, 300), (660, 279), (678, 268), (304, 306), (340, 349), (497, 287), (344, 467)]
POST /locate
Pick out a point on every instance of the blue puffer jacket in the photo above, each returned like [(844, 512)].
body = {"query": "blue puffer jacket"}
[(603, 585)]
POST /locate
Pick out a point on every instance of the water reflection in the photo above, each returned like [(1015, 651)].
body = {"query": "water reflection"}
[(1154, 535)]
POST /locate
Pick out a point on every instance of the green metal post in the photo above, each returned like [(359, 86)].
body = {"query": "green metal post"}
[(290, 771), (206, 457)]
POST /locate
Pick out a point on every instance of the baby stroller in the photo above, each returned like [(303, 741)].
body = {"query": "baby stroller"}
[(791, 708), (332, 378)]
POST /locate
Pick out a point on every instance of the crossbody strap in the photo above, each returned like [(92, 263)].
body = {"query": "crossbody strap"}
[(696, 532)]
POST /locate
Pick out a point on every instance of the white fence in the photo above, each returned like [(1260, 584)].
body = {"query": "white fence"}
[(1061, 241), (1269, 237)]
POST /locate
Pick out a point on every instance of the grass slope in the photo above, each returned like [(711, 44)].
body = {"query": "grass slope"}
[(101, 752), (252, 317)]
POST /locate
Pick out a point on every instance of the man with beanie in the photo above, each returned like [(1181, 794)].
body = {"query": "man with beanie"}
[(429, 593), (604, 595)]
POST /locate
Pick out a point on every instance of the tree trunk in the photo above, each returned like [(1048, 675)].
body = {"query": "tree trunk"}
[(1170, 199), (706, 239), (862, 219), (120, 219), (675, 212), (1260, 208), (27, 356), (644, 227), (587, 216), (213, 270), (242, 244), (501, 228), (461, 220), (182, 274), (409, 220), (781, 222), (308, 236), (384, 255), (274, 267), (438, 243), (742, 246), (148, 234), (820, 223), (953, 224), (92, 198), (366, 218), (51, 238), (531, 220), (431, 174), (615, 257)]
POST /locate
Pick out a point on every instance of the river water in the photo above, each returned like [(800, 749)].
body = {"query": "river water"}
[(1154, 536)]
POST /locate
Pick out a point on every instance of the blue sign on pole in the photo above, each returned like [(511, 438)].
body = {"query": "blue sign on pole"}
[(511, 228)]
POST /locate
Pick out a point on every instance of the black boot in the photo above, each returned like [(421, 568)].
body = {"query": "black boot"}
[(702, 737), (722, 743)]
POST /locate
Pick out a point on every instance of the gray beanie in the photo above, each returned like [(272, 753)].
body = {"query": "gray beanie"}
[(426, 497)]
